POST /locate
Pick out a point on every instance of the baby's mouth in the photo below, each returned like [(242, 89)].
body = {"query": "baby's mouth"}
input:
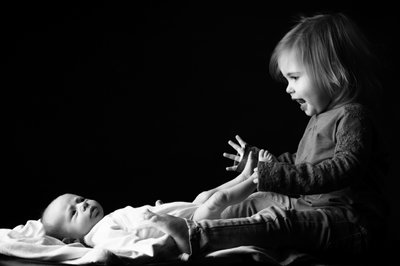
[(93, 211)]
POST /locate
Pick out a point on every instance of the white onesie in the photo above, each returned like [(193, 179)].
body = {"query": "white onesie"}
[(124, 232)]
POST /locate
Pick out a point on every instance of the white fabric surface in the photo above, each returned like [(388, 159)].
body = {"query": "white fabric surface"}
[(29, 241)]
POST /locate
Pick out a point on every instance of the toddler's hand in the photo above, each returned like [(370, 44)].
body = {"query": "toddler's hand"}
[(239, 149)]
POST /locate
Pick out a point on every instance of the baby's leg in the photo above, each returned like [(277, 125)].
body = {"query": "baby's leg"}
[(213, 207), (244, 175)]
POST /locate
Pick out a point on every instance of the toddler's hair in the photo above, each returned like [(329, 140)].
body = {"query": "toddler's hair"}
[(335, 54)]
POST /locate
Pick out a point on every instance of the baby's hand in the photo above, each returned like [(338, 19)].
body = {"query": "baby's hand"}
[(266, 156)]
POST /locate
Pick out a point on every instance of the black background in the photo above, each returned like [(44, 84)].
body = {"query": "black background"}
[(130, 103)]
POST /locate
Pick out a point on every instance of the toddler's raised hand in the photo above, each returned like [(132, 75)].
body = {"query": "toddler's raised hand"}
[(239, 149)]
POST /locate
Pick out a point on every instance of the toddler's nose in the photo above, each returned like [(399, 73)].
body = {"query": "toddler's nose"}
[(289, 89)]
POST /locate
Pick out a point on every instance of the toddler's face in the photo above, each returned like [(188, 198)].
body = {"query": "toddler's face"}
[(312, 99), (73, 215)]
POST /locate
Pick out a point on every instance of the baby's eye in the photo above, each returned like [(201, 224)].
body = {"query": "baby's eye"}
[(79, 199)]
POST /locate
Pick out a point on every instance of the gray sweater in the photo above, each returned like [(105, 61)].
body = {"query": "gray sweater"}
[(339, 160)]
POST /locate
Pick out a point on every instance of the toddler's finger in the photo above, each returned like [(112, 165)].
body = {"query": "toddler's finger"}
[(234, 145), (231, 168), (240, 140), (231, 156)]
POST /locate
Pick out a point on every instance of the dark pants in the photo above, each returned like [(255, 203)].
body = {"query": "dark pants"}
[(275, 221)]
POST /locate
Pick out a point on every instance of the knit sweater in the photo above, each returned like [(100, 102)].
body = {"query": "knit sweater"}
[(338, 160)]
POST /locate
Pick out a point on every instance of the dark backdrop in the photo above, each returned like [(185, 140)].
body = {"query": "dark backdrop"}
[(132, 103)]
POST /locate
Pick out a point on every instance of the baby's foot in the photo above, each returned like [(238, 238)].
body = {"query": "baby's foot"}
[(248, 169), (266, 156), (174, 226)]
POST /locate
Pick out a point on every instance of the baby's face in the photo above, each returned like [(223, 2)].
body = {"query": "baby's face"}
[(73, 215)]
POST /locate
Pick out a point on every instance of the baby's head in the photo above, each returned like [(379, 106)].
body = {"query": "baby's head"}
[(71, 216)]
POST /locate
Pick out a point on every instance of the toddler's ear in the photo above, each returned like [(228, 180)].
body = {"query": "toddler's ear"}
[(70, 240)]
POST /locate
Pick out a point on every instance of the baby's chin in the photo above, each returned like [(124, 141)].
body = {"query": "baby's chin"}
[(92, 223)]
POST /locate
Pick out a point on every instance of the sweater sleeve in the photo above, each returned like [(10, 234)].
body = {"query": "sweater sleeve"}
[(287, 157), (352, 150)]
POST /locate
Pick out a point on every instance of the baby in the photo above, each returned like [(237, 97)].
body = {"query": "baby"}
[(74, 218)]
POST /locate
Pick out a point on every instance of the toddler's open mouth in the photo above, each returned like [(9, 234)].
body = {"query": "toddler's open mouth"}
[(299, 101)]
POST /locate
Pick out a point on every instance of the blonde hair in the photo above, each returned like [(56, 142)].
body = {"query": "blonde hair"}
[(335, 54)]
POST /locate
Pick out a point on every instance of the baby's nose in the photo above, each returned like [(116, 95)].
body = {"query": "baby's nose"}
[(84, 205)]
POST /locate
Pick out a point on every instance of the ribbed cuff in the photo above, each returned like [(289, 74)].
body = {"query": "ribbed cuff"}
[(264, 179), (193, 230)]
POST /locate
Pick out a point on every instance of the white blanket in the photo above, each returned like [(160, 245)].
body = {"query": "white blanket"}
[(29, 241)]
